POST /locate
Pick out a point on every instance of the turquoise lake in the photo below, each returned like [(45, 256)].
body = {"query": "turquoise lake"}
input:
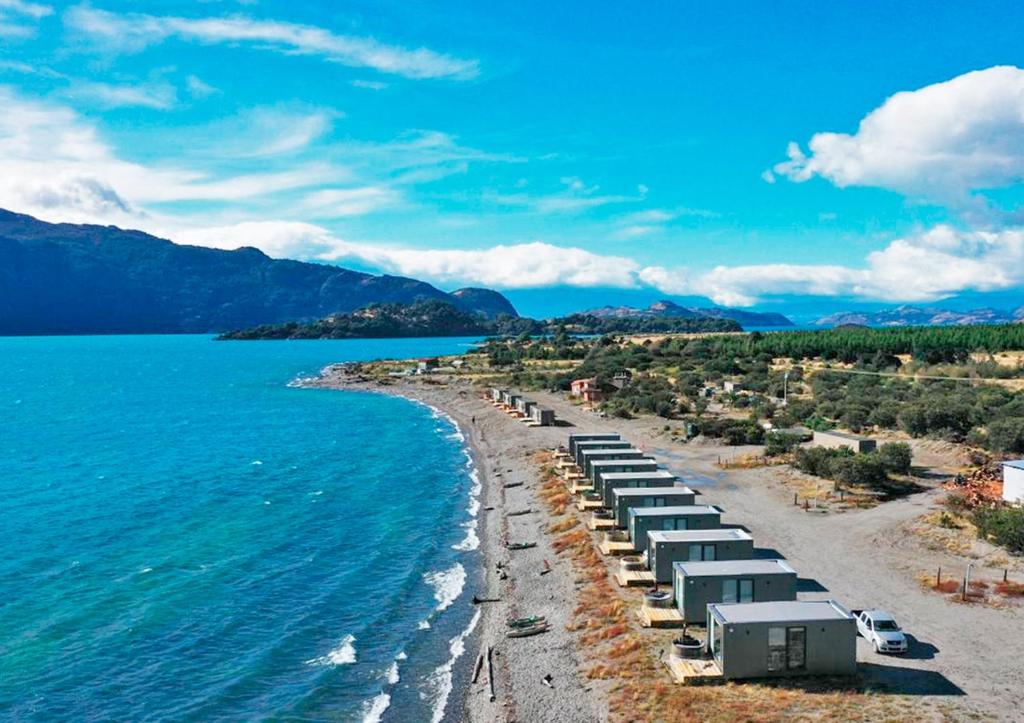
[(187, 537)]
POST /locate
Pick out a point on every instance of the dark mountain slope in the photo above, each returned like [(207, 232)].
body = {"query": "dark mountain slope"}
[(83, 279)]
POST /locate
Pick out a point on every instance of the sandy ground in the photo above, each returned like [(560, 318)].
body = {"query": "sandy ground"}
[(964, 661)]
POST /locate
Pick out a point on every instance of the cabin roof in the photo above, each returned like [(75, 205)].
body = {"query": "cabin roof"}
[(677, 510), (1015, 463), (780, 611), (735, 567), (649, 491), (721, 534)]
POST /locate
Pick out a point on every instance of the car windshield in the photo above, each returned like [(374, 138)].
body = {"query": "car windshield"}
[(888, 625)]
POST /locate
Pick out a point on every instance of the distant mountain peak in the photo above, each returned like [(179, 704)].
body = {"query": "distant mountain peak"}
[(909, 315), (667, 308), (89, 279)]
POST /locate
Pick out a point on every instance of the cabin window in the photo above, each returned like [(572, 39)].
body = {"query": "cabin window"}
[(670, 523), (746, 590), (730, 591), (787, 648), (705, 553)]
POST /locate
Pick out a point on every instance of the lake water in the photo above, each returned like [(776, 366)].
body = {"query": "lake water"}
[(185, 536)]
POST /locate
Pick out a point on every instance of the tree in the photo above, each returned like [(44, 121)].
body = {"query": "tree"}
[(1006, 435)]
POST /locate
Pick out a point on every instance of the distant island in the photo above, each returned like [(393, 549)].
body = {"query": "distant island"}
[(670, 309), (919, 316), (441, 318), (85, 279)]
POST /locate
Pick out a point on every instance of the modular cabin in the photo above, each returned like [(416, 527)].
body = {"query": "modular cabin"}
[(773, 639), (611, 481), (589, 446), (601, 467), (835, 440), (667, 547), (589, 456), (525, 406), (695, 585), (506, 397), (542, 417), (513, 400), (577, 437), (681, 517), (626, 498), (496, 395), (1013, 481)]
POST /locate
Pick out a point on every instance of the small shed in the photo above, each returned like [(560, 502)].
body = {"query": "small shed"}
[(496, 395), (602, 466), (695, 585), (731, 387), (542, 416), (577, 437), (506, 397), (524, 406), (629, 482), (589, 456), (1013, 481), (678, 517), (773, 639), (513, 400), (667, 547), (591, 445), (835, 440)]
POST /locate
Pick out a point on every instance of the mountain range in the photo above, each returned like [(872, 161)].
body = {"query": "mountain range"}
[(920, 316), (665, 309), (86, 279)]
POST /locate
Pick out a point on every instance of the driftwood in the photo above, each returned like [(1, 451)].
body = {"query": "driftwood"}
[(510, 485), (490, 673), (479, 600), (478, 666), (517, 513)]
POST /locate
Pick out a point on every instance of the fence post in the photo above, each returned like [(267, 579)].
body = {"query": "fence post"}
[(938, 576)]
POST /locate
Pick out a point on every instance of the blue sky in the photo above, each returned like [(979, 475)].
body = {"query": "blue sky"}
[(568, 153)]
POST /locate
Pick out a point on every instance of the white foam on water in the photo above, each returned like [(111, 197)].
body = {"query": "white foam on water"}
[(145, 570), (448, 585), (374, 708), (402, 656), (424, 625), (256, 462), (441, 679), (344, 654), (471, 541)]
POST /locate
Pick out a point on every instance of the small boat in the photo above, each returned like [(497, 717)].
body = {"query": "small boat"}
[(528, 630), (527, 622), (520, 545)]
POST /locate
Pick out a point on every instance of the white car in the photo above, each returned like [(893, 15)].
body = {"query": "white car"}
[(881, 630)]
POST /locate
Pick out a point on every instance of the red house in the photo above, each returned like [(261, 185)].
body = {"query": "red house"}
[(587, 390)]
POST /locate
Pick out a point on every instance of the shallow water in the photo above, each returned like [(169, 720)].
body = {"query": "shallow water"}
[(185, 536)]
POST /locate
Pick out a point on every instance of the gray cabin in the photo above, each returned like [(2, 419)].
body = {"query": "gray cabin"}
[(835, 440), (600, 467), (772, 639), (611, 481), (695, 585), (525, 406), (543, 417), (626, 498), (506, 397), (667, 547), (589, 456), (683, 517), (588, 446), (496, 395), (513, 400), (578, 437)]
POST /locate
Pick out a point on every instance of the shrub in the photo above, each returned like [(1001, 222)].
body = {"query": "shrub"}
[(778, 443), (1003, 525), (896, 457)]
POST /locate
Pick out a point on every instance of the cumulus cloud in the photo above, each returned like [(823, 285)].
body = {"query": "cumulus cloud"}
[(133, 32), (939, 142), (22, 7)]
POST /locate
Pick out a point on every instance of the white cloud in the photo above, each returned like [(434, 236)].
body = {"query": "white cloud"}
[(30, 9), (279, 239), (939, 142), (156, 95), (576, 196), (134, 31), (343, 202), (368, 84), (198, 88)]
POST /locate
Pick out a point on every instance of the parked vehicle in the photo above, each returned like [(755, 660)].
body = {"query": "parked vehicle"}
[(881, 630)]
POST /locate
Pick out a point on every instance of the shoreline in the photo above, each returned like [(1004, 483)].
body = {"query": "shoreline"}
[(502, 459)]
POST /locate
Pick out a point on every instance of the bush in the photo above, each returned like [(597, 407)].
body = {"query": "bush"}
[(778, 443), (1003, 525), (1006, 435), (896, 457), (863, 470)]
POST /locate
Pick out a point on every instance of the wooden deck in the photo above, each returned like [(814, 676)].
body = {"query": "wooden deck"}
[(659, 617), (599, 523), (612, 547), (635, 578), (694, 672), (584, 504), (577, 488)]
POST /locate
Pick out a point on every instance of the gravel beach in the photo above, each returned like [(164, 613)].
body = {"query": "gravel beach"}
[(863, 558)]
